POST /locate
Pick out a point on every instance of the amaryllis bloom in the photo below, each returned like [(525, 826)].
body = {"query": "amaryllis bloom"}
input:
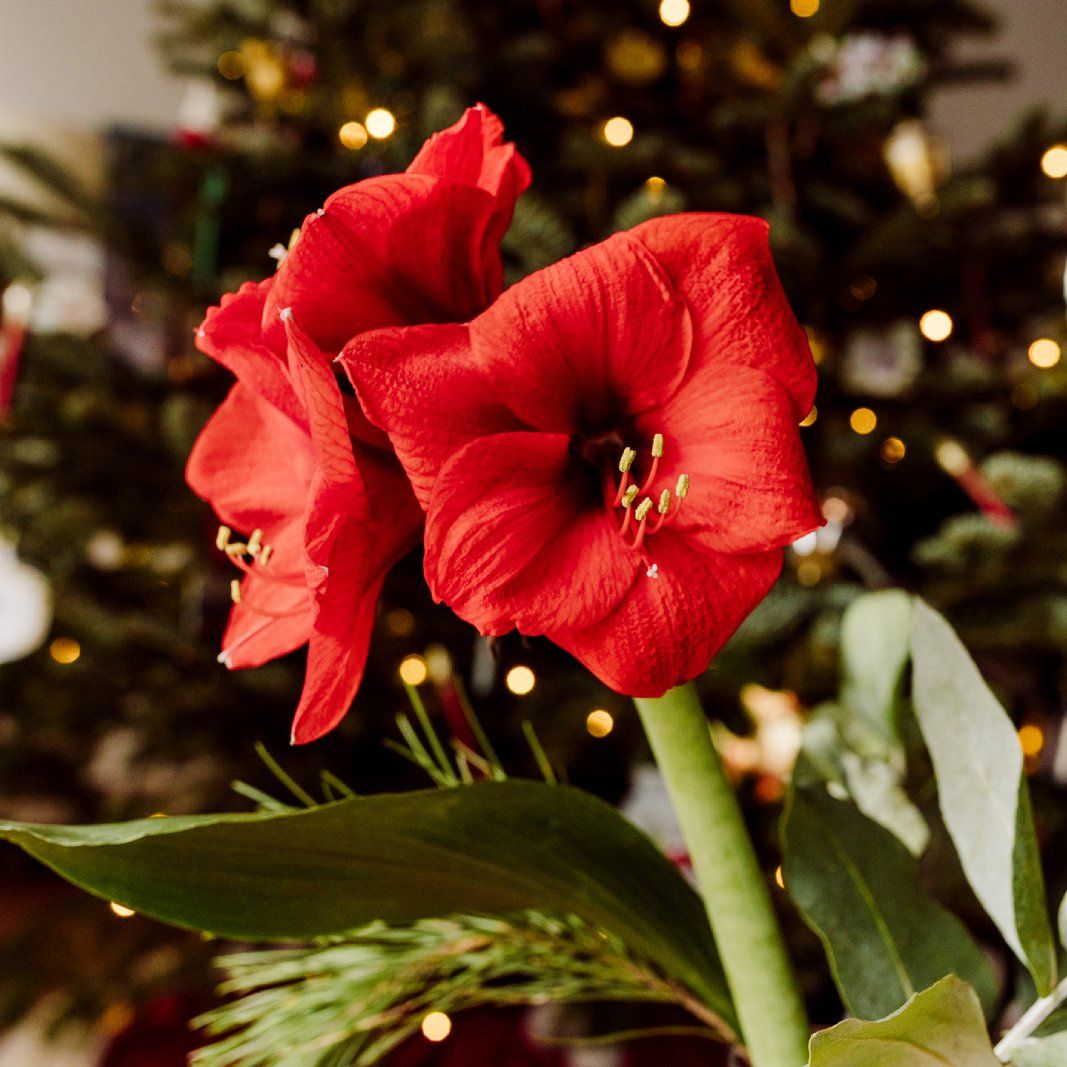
[(322, 506), (610, 454)]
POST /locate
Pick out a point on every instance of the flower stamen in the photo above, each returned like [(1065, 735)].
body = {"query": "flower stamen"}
[(657, 452), (641, 516), (625, 463)]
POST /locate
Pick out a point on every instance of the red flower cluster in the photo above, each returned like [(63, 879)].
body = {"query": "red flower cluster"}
[(606, 454), (289, 459)]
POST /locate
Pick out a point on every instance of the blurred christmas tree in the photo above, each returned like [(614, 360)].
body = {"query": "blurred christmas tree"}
[(933, 296)]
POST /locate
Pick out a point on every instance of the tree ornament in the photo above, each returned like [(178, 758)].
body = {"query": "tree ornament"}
[(635, 57), (16, 305), (918, 162), (882, 362), (265, 70), (199, 116), (25, 606), (865, 64)]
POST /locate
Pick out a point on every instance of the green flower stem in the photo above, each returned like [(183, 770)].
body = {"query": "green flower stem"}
[(773, 1023)]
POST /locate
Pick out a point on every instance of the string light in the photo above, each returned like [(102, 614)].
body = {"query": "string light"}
[(436, 1026), (1031, 740), (380, 123), (413, 670), (893, 450), (231, 65), (65, 650), (121, 910), (400, 622), (353, 135), (673, 12), (520, 680), (936, 325), (655, 185), (863, 421), (809, 419), (1044, 353), (1054, 161), (618, 131), (803, 9), (599, 722)]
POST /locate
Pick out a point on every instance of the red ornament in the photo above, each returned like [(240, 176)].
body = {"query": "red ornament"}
[(291, 461), (610, 454)]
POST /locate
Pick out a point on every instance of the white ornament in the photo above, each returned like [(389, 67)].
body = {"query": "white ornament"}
[(25, 606)]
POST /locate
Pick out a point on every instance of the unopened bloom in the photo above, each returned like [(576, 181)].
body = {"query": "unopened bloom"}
[(609, 455)]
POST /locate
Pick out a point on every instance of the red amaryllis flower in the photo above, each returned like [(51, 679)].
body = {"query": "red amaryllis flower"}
[(291, 461), (609, 455)]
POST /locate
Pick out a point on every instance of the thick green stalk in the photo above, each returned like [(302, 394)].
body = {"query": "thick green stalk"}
[(773, 1024)]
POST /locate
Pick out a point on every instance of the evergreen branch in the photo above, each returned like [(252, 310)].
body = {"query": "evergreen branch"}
[(350, 1000)]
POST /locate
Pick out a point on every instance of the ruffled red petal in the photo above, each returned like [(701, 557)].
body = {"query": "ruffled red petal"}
[(582, 344), (426, 388), (722, 265), (735, 435), (516, 536), (667, 629)]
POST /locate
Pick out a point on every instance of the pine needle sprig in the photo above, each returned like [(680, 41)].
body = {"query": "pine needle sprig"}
[(349, 1000)]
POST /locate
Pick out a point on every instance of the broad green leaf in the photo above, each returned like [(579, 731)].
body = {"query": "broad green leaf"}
[(490, 848), (874, 652), (940, 1027), (858, 888), (1063, 922), (981, 790), (1042, 1052)]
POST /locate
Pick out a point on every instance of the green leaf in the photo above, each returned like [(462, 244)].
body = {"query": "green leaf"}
[(982, 792), (1062, 917), (492, 848), (858, 888), (874, 652), (940, 1027), (1042, 1052)]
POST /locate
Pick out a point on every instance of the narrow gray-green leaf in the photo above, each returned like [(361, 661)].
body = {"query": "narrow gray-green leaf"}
[(981, 790), (1063, 922), (858, 888), (1042, 1052), (492, 848), (874, 652), (940, 1027)]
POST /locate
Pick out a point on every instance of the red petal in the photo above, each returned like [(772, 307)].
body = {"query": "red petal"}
[(252, 464), (473, 152), (722, 265), (667, 629), (594, 338), (425, 388), (395, 250), (516, 536), (232, 334), (733, 431)]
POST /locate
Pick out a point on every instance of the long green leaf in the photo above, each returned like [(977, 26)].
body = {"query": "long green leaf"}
[(940, 1027), (491, 848), (982, 792), (858, 888)]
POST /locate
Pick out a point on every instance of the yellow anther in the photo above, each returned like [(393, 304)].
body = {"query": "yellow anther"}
[(222, 538), (294, 237), (236, 548), (627, 459), (265, 553), (629, 495), (255, 543), (235, 591), (682, 488), (665, 502), (657, 446), (643, 508)]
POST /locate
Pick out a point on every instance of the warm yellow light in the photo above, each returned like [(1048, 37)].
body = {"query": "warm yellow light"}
[(1031, 740), (809, 419), (436, 1026), (803, 9), (380, 123), (673, 12), (121, 910), (520, 680), (655, 185), (1054, 161), (353, 135), (936, 325), (1045, 353), (65, 650), (863, 420), (231, 65), (400, 622), (599, 722), (618, 132), (893, 450), (413, 670), (809, 573), (952, 457), (779, 877)]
